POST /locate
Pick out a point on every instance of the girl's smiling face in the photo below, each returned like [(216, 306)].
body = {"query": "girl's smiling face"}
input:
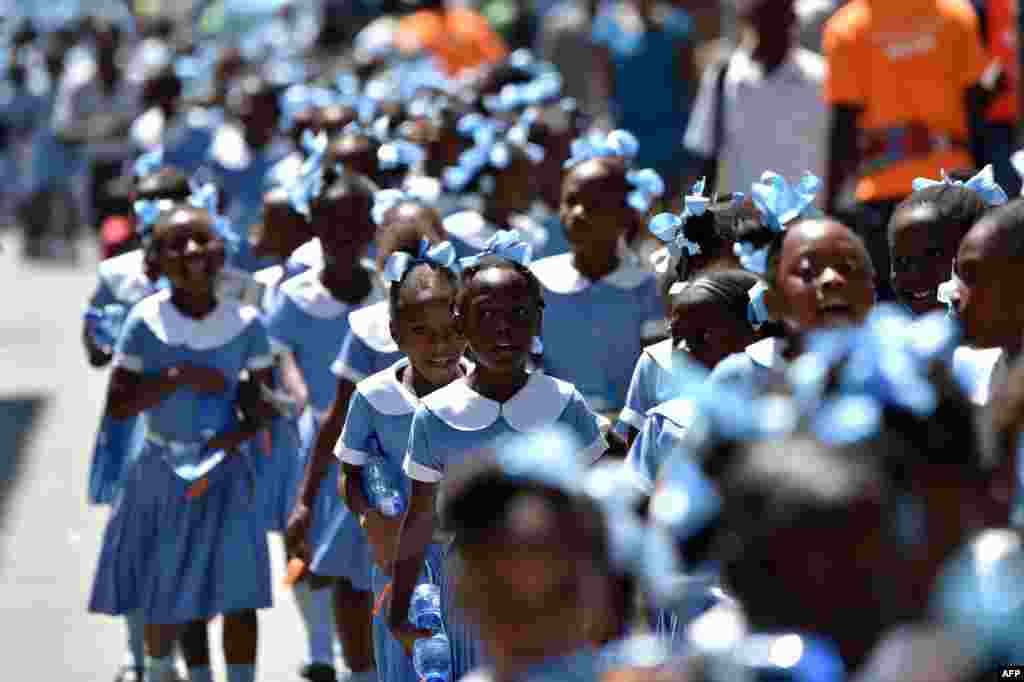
[(423, 326), (499, 316), (922, 252), (824, 276), (189, 253), (709, 331), (594, 210)]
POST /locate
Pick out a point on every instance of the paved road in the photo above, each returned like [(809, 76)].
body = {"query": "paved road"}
[(50, 402)]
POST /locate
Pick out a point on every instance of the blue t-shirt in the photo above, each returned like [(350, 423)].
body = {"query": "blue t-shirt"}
[(454, 422), (230, 339), (594, 332)]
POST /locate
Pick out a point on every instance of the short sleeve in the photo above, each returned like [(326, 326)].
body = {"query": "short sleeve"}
[(422, 463), (638, 397), (354, 446), (658, 439), (579, 417), (131, 348), (847, 57), (282, 326), (356, 360), (102, 296), (737, 368), (700, 131), (258, 355)]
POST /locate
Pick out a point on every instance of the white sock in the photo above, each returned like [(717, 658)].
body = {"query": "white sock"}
[(317, 609), (158, 669), (135, 656), (242, 672), (200, 673)]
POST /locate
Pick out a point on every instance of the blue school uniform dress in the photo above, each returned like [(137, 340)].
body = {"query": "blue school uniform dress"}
[(594, 331), (661, 435), (311, 324), (182, 558), (579, 666), (659, 375), (469, 232), (122, 282), (368, 348), (242, 173), (454, 422), (757, 367), (379, 419)]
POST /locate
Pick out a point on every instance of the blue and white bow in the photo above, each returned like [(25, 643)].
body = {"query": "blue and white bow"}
[(617, 143), (150, 162), (378, 129), (400, 262), (781, 203), (647, 188), (671, 228), (504, 244), (984, 184), (299, 99), (309, 182), (147, 212), (207, 197), (400, 154), (757, 308), (543, 88), (387, 199), (752, 258), (492, 148)]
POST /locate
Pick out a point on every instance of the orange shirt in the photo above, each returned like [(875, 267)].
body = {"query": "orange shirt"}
[(904, 61), (1002, 43), (460, 38)]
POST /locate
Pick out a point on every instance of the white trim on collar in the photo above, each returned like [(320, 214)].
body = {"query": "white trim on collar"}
[(559, 274), (662, 354), (679, 411), (387, 394), (307, 292), (310, 254), (372, 325), (539, 403), (767, 353), (125, 276), (220, 327)]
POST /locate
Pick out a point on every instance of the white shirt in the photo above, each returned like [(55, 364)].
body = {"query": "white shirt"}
[(777, 122)]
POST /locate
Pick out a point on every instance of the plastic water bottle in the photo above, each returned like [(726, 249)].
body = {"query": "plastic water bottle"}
[(381, 487), (425, 607), (432, 658), (105, 324)]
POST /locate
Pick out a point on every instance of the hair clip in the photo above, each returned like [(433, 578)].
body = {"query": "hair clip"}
[(617, 143), (150, 162), (757, 308), (647, 185), (399, 263), (504, 244), (670, 228), (779, 202), (309, 182), (983, 183)]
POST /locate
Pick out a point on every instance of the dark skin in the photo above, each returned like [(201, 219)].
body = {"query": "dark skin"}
[(282, 229), (499, 316), (258, 113), (710, 331), (922, 251), (595, 215), (357, 153), (513, 190), (989, 304), (425, 332), (824, 278)]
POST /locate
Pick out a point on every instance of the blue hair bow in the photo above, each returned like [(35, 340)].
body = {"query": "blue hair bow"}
[(310, 180), (984, 184), (492, 148), (779, 202), (207, 197), (544, 87), (757, 308), (617, 143), (147, 212), (400, 154), (752, 258), (150, 162), (387, 199), (647, 187), (400, 262), (670, 228), (504, 244)]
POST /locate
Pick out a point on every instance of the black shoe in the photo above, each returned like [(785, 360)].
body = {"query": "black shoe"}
[(318, 672)]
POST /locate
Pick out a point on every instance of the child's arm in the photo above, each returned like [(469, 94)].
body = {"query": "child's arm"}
[(292, 380), (98, 357), (843, 153), (256, 416), (133, 393), (415, 536)]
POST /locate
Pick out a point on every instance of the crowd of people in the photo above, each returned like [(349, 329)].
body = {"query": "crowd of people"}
[(546, 387)]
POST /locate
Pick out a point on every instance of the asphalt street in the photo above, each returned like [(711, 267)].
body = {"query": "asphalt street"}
[(50, 402)]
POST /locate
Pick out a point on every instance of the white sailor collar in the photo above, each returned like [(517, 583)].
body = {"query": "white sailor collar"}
[(220, 327), (310, 254), (125, 276), (767, 353), (539, 403), (372, 325), (559, 274), (662, 353), (679, 411), (470, 226), (307, 292), (388, 395)]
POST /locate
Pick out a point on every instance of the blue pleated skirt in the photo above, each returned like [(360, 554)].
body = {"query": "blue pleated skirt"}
[(180, 559), (282, 472), (117, 443), (393, 665), (341, 549)]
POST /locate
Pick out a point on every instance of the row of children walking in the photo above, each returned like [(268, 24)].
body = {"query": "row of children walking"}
[(589, 439)]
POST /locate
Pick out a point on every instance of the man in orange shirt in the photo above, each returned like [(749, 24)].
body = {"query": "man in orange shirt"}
[(458, 37), (905, 86)]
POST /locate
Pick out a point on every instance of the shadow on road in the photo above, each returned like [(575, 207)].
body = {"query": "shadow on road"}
[(18, 414)]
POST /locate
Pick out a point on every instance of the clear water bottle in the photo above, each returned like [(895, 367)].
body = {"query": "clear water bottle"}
[(382, 487), (105, 324), (432, 658), (425, 607)]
